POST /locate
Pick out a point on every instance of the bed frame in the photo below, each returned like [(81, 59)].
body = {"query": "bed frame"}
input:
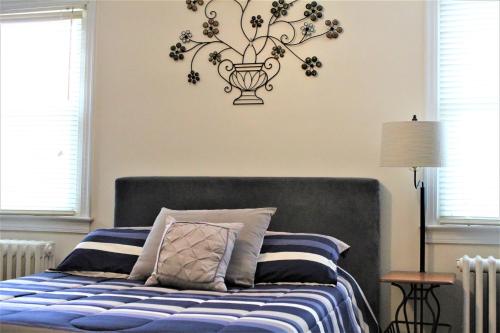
[(346, 208)]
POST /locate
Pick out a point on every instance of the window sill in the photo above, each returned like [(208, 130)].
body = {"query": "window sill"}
[(30, 223), (462, 234)]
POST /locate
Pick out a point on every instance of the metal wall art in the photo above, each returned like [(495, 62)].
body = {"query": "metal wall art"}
[(258, 63)]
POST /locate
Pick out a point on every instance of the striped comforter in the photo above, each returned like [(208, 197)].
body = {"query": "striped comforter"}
[(78, 304)]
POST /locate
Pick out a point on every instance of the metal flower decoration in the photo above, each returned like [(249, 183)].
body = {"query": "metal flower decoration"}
[(186, 36), (314, 11), (193, 4), (308, 29), (256, 21), (280, 8), (176, 51), (193, 77), (255, 66), (310, 65), (214, 57), (210, 28), (278, 52), (334, 29)]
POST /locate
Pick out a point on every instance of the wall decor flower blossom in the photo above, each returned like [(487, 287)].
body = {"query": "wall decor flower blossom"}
[(255, 66), (278, 52), (308, 29), (186, 36), (214, 57), (193, 4)]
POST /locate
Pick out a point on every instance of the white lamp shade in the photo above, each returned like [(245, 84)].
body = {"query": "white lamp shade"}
[(411, 144)]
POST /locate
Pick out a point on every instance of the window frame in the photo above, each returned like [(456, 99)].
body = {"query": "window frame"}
[(446, 230), (78, 222)]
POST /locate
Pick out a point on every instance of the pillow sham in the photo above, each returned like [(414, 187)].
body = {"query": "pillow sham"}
[(241, 270), (299, 257), (146, 261), (195, 255), (112, 250)]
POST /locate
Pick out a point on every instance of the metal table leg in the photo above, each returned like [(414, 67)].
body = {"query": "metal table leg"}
[(420, 296), (402, 305)]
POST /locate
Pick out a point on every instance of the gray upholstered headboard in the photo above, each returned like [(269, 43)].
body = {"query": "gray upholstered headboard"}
[(346, 208)]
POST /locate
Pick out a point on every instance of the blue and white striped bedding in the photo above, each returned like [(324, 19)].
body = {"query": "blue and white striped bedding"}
[(106, 250), (299, 257), (72, 303)]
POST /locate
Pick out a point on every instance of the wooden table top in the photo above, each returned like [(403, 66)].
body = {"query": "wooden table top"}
[(419, 278)]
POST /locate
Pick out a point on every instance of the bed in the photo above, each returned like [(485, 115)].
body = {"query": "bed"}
[(346, 208)]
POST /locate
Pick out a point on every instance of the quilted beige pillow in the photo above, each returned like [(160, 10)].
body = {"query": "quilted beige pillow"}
[(195, 255)]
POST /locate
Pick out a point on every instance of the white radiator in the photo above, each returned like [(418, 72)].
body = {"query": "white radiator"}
[(24, 257), (479, 265)]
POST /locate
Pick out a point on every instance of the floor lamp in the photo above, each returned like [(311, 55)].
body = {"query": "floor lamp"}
[(414, 144)]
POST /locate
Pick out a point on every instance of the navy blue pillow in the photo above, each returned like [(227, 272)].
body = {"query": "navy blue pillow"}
[(299, 257), (106, 250)]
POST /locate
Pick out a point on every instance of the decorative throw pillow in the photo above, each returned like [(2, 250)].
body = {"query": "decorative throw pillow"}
[(195, 255), (241, 270), (299, 257), (146, 262), (106, 250)]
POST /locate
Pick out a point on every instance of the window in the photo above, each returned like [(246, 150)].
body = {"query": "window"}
[(467, 102), (44, 91)]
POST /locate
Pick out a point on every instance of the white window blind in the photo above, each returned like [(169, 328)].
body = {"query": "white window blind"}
[(42, 87), (468, 105)]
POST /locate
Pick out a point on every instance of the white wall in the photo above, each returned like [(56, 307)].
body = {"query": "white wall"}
[(149, 121)]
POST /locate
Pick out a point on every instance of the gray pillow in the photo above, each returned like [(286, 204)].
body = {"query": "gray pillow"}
[(144, 265), (241, 270), (195, 255)]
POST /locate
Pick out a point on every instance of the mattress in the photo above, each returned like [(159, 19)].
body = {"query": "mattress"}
[(53, 301)]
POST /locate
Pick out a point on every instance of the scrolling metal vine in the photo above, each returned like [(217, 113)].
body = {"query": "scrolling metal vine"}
[(257, 65)]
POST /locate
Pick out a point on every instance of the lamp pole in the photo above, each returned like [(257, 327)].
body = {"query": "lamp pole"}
[(420, 184)]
